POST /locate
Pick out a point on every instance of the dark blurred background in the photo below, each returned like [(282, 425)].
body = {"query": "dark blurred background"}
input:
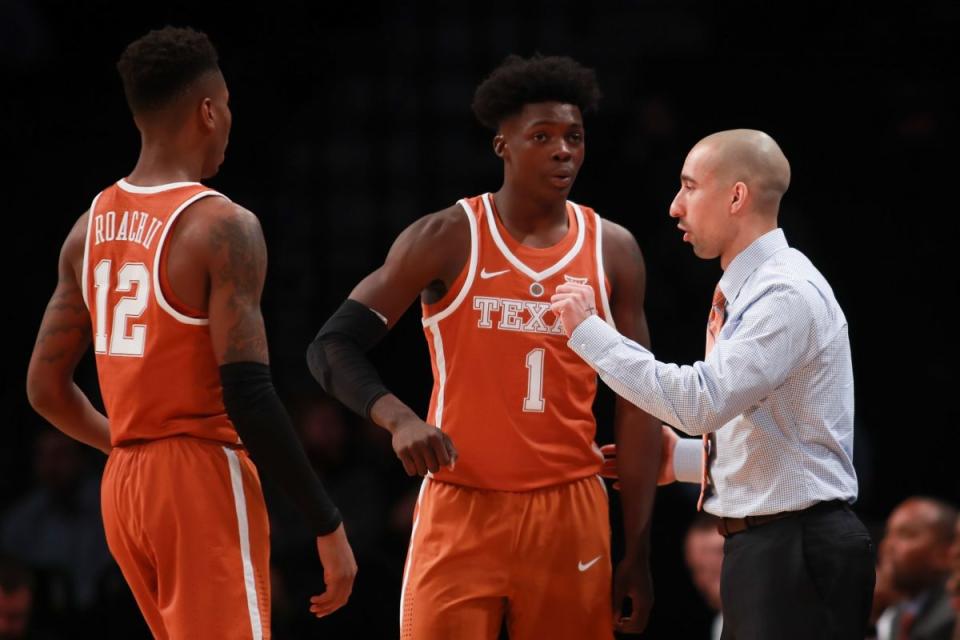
[(352, 119)]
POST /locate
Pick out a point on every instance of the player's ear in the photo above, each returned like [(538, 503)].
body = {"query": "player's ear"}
[(206, 113), (498, 143)]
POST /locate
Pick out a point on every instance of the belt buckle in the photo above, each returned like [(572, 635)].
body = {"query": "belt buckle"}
[(722, 527), (725, 530)]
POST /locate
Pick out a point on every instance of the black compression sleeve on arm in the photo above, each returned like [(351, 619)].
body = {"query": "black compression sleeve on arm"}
[(267, 432), (337, 356)]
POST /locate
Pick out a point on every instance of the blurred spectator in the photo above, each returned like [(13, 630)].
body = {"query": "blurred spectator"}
[(916, 552), (17, 585), (334, 444), (56, 527), (703, 553), (885, 600), (953, 585)]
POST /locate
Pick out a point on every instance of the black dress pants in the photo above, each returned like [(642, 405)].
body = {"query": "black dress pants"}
[(809, 575)]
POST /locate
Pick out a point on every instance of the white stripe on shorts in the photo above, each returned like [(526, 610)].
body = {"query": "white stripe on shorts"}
[(236, 478)]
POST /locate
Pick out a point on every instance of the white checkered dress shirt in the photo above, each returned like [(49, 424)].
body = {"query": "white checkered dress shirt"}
[(777, 388)]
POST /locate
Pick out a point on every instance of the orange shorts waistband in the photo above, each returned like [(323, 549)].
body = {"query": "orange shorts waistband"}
[(136, 442)]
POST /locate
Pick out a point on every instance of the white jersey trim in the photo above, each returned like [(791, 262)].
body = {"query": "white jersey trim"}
[(243, 526), (601, 274), (441, 372), (85, 272), (471, 273), (157, 289), (515, 261), (406, 568), (160, 188), (432, 322)]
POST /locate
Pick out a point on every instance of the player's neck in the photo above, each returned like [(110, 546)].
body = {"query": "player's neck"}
[(524, 215), (163, 163)]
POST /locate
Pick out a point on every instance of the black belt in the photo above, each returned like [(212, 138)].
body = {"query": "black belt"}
[(730, 526)]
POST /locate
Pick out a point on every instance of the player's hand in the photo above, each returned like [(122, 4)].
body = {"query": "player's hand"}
[(609, 469), (574, 303), (632, 580), (339, 571), (665, 473), (422, 447)]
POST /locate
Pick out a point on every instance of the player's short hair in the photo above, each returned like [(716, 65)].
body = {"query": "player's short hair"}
[(521, 81), (161, 65)]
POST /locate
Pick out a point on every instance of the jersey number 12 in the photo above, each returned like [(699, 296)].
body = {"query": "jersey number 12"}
[(131, 274)]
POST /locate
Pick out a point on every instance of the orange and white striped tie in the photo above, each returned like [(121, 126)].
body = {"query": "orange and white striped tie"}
[(718, 313)]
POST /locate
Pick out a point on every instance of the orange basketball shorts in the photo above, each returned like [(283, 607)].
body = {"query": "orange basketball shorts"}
[(186, 521), (540, 560)]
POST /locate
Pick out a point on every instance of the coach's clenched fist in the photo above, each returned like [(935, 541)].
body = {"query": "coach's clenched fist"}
[(574, 303)]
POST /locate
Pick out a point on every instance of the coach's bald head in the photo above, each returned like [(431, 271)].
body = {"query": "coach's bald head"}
[(731, 185), (751, 157)]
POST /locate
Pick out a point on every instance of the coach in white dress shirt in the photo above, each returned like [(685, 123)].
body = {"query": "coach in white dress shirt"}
[(774, 395)]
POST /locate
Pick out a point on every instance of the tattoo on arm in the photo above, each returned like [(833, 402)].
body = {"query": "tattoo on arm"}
[(65, 324), (237, 244), (65, 329)]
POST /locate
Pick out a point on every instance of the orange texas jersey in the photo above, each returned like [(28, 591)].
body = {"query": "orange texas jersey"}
[(155, 361), (516, 401)]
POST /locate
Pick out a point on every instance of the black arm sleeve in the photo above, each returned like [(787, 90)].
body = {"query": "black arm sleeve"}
[(337, 356), (267, 432)]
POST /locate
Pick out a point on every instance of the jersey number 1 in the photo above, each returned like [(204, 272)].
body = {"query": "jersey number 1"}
[(534, 401), (129, 307)]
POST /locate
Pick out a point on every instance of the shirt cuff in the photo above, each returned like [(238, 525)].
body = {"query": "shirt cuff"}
[(688, 460), (592, 338)]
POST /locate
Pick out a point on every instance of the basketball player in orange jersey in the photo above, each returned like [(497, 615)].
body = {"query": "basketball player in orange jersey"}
[(165, 275), (512, 519)]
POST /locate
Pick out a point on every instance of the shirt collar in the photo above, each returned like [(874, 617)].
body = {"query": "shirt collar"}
[(748, 260)]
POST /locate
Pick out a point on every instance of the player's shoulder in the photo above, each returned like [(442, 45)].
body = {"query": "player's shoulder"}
[(440, 228), (79, 229), (622, 259), (617, 238), (73, 245), (219, 215), (218, 206), (218, 232), (447, 220)]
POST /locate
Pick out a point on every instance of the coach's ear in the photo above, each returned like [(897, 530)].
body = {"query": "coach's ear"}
[(498, 142)]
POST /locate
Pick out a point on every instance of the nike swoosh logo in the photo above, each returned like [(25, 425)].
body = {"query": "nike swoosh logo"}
[(492, 274), (583, 566)]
